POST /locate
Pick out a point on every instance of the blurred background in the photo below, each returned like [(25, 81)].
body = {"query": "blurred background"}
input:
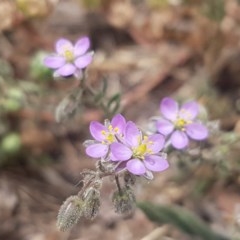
[(146, 50)]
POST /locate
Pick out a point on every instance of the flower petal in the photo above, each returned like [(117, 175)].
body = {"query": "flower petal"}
[(156, 163), (66, 70), (97, 129), (81, 46), (83, 61), (156, 142), (97, 150), (119, 122), (189, 110), (132, 134), (120, 152), (164, 127), (62, 45), (135, 166), (169, 108), (179, 139), (197, 131), (54, 61)]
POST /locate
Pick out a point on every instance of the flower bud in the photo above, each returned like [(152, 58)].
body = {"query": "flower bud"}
[(91, 203), (124, 201), (69, 213)]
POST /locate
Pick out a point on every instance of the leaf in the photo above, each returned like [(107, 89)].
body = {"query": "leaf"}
[(114, 103), (180, 218)]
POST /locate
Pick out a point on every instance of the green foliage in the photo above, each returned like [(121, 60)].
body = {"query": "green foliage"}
[(214, 9), (37, 70), (114, 104), (180, 218)]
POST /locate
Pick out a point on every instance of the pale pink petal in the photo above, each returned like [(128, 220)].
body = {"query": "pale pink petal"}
[(136, 167), (54, 61), (156, 163), (81, 46), (164, 126), (169, 108), (189, 110), (62, 45), (97, 130), (66, 70), (120, 152), (83, 61), (156, 142), (197, 131), (179, 140), (97, 150), (119, 122), (132, 134)]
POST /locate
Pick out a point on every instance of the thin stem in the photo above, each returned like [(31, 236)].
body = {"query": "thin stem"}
[(93, 178), (118, 185), (93, 93)]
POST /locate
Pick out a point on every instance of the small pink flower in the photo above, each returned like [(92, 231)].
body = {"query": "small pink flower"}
[(105, 135), (139, 154), (70, 59), (180, 124)]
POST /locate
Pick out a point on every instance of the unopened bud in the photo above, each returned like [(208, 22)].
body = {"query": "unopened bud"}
[(69, 213), (91, 203), (124, 201)]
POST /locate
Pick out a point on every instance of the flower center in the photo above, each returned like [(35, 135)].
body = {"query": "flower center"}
[(180, 123), (68, 55), (142, 149), (110, 134)]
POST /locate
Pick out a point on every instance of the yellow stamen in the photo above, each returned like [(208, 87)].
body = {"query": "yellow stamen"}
[(110, 138), (68, 55)]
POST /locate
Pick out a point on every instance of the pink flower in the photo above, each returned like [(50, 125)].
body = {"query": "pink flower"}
[(139, 153), (180, 124), (105, 135), (70, 59)]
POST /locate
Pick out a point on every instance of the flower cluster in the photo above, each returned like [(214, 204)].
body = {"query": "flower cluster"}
[(123, 144), (70, 59), (122, 150), (178, 124)]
